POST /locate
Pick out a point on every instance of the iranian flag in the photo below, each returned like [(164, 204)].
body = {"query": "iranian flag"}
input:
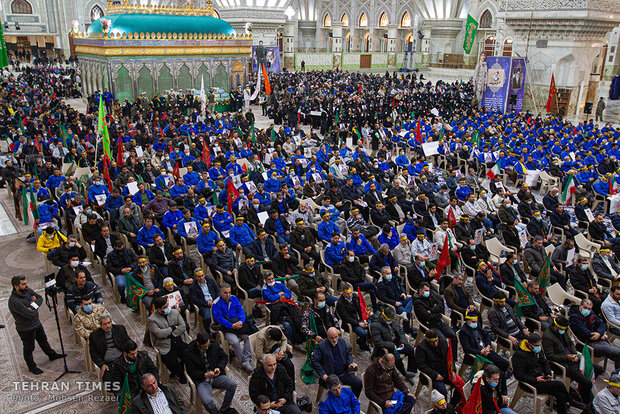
[(612, 185), (493, 172), (586, 367), (569, 189)]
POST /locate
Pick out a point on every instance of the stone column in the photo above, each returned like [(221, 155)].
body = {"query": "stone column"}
[(391, 45), (337, 44), (288, 45)]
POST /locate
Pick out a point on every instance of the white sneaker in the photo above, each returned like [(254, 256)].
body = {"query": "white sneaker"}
[(404, 316)]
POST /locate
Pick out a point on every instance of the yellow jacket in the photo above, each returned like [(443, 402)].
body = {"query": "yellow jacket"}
[(45, 244)]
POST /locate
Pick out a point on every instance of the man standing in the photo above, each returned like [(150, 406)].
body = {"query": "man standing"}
[(600, 107), (23, 305)]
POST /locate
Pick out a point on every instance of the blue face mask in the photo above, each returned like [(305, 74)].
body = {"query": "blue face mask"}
[(537, 349), (585, 312), (88, 308), (584, 267), (311, 274), (422, 264), (472, 247), (493, 384), (561, 331), (473, 325), (167, 311), (320, 305), (388, 277), (427, 293)]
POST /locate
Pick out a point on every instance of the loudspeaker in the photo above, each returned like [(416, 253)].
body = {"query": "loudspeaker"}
[(513, 99), (588, 108)]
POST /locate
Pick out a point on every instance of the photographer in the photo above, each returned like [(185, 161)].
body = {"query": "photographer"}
[(23, 305)]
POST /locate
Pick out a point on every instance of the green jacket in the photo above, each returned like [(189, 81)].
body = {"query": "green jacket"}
[(554, 346), (307, 285)]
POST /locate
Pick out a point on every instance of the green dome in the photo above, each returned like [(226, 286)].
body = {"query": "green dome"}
[(158, 23)]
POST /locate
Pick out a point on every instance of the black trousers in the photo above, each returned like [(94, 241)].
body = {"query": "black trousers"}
[(171, 359), (558, 390), (28, 338)]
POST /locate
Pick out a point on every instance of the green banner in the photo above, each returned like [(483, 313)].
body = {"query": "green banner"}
[(4, 57), (470, 33)]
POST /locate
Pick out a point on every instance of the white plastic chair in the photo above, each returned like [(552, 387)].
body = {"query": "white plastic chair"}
[(497, 250)]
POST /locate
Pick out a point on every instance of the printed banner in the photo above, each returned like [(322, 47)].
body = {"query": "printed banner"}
[(516, 87), (497, 82), (268, 55)]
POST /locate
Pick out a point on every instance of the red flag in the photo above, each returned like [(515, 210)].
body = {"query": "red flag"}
[(175, 171), (120, 160), (206, 154), (363, 307), (359, 88), (37, 144), (232, 194), (451, 218), (418, 133), (164, 116), (612, 190), (106, 173), (444, 259), (244, 168), (552, 92), (266, 78), (474, 403), (454, 378)]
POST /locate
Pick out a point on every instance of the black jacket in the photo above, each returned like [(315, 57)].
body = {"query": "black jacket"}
[(508, 275), (497, 321), (142, 405), (488, 394), (433, 360), (385, 336), (281, 265), (581, 279), (98, 345), (527, 365), (270, 225), (118, 260), (350, 313), (176, 269), (250, 278), (416, 277), (198, 297), (195, 364), (468, 339), (555, 346), (120, 367), (63, 253), (156, 256), (101, 246), (429, 310), (301, 239), (390, 292), (66, 276), (259, 384), (353, 272), (598, 231), (257, 250)]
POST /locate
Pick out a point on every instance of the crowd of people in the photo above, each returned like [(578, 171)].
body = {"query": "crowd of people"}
[(334, 220)]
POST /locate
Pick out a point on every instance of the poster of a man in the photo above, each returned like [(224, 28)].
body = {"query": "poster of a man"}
[(261, 54), (517, 78), (480, 78)]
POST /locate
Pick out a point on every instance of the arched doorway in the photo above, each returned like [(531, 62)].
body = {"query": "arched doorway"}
[(507, 51), (348, 43), (366, 42), (409, 42), (489, 46)]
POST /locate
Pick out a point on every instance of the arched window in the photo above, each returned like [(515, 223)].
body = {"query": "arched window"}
[(507, 48), (96, 13), (405, 21), (383, 20), (486, 20), (327, 21), (489, 46), (216, 14), (21, 7), (345, 20), (363, 20)]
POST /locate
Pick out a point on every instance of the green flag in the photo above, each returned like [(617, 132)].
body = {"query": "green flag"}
[(101, 114), (214, 195), (124, 400), (479, 363), (106, 142), (337, 117), (308, 376), (475, 139), (135, 291), (544, 274), (273, 134), (470, 34), (253, 133), (4, 57), (523, 298), (64, 135), (587, 368)]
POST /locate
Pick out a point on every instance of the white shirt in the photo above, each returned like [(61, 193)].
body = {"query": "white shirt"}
[(159, 403)]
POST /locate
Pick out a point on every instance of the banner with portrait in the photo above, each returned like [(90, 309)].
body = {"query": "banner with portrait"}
[(516, 85), (270, 55), (498, 71)]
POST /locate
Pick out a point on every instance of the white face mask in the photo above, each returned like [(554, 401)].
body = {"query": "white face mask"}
[(271, 284), (71, 244), (351, 258), (74, 263)]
